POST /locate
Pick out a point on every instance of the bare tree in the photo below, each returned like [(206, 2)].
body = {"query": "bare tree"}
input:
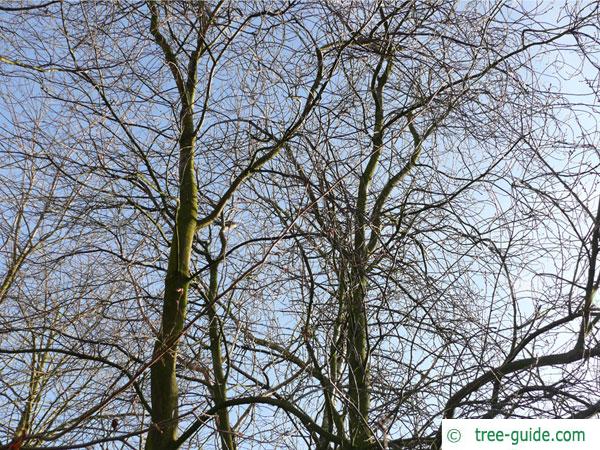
[(297, 224)]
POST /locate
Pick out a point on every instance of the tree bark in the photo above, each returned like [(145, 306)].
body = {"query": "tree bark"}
[(164, 390)]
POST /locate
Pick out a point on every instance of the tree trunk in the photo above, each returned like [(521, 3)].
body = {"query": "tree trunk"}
[(164, 390)]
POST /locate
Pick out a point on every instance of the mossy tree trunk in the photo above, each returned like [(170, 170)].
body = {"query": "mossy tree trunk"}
[(164, 389)]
